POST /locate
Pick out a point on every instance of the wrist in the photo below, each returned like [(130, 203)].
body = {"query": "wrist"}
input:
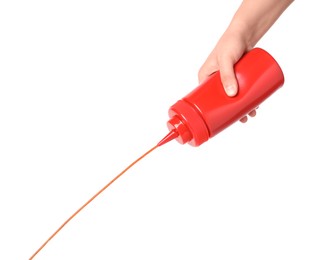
[(243, 33)]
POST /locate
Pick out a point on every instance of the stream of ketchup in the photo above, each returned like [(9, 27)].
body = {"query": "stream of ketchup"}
[(170, 136)]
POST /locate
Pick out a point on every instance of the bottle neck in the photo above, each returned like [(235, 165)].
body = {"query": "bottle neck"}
[(188, 122)]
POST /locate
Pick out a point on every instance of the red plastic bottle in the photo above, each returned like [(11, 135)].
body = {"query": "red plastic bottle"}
[(207, 110)]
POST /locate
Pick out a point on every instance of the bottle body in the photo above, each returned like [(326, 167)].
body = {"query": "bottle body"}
[(207, 110)]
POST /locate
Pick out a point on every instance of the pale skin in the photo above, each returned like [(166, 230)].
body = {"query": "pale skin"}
[(251, 21)]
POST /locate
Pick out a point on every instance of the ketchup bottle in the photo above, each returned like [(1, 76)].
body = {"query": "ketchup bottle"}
[(207, 110)]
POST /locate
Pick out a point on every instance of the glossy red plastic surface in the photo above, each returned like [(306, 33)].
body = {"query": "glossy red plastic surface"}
[(207, 110)]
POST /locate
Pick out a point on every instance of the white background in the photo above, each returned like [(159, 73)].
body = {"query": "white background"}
[(84, 90)]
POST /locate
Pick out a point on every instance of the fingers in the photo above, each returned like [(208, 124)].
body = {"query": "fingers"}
[(244, 119), (253, 113)]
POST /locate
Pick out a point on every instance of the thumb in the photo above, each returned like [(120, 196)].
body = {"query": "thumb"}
[(228, 79)]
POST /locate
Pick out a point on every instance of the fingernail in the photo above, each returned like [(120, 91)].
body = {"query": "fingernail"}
[(230, 90)]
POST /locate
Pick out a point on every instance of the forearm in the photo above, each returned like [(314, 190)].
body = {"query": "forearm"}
[(254, 18)]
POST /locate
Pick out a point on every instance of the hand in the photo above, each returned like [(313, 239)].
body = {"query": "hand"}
[(226, 53)]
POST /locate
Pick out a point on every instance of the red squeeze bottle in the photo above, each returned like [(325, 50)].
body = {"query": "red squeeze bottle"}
[(207, 110)]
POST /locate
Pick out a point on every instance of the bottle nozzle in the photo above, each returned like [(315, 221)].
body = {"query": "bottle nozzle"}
[(169, 137)]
